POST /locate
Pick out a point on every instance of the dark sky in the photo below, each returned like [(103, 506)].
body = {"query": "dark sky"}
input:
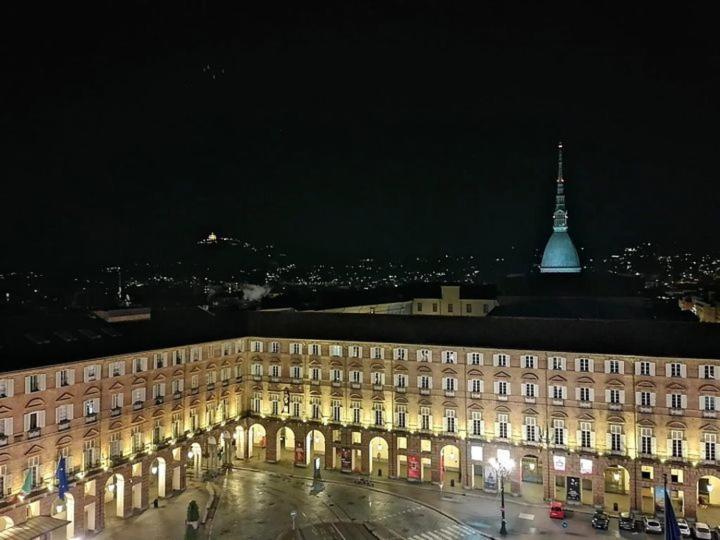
[(353, 128)]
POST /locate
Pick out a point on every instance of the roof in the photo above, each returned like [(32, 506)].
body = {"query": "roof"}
[(181, 327), (560, 254), (34, 527)]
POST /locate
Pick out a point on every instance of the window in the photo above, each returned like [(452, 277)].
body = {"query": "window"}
[(211, 376), (558, 392), (336, 375), (557, 364), (379, 413), (425, 382), (502, 426), (315, 373), (419, 307), (116, 369), (434, 307), (336, 350), (256, 402), (529, 362), (586, 435), (613, 366), (616, 438), (614, 395), (559, 432), (34, 420), (677, 443), (378, 378), (256, 346), (274, 347), (355, 351), (645, 369), (296, 372), (92, 373), (178, 355), (424, 355), (6, 426), (399, 354), (584, 394), (34, 383), (531, 429), (315, 349), (646, 441), (336, 407), (65, 377), (401, 380), (63, 413), (137, 439), (356, 407), (227, 349), (91, 407), (274, 404), (425, 418), (6, 388), (468, 308), (450, 419), (33, 470), (584, 365), (377, 353), (475, 386), (116, 444), (645, 399), (450, 383), (450, 308), (674, 370), (676, 401), (501, 388), (529, 389), (707, 403), (295, 348), (315, 411), (356, 376), (501, 360), (158, 390), (138, 395), (195, 354), (401, 416), (139, 365), (710, 441), (449, 357), (177, 386), (474, 359), (476, 427), (275, 370)]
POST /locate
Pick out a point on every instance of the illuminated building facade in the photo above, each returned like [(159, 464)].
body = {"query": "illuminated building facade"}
[(145, 405)]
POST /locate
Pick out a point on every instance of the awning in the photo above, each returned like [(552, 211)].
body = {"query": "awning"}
[(32, 528)]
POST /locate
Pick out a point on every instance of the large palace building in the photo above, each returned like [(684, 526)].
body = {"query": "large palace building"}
[(591, 412)]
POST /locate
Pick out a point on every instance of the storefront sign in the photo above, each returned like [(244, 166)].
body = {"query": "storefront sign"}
[(346, 460), (299, 452), (573, 489), (476, 453), (413, 467), (491, 483), (559, 463)]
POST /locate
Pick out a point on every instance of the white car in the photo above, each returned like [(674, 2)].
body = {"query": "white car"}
[(702, 531), (684, 528), (652, 525)]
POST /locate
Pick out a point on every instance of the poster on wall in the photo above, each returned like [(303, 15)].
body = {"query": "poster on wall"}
[(299, 453), (659, 499), (490, 479), (573, 489), (346, 460), (413, 467)]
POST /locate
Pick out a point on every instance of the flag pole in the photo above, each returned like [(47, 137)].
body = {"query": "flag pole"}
[(667, 528)]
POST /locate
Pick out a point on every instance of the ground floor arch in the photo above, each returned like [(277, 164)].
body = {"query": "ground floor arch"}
[(257, 441), (531, 479), (617, 489), (708, 500), (6, 522), (378, 456), (315, 447), (195, 460), (450, 471), (157, 479), (65, 509), (114, 496), (285, 444), (239, 442), (225, 448)]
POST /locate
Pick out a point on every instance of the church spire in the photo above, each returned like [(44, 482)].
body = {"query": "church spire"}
[(560, 214), (560, 176)]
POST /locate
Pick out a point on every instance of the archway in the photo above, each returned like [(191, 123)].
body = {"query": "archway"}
[(225, 448), (158, 471), (378, 456), (257, 440), (195, 460), (6, 522), (617, 489), (239, 442), (211, 452), (708, 500), (114, 496), (65, 510), (285, 441), (531, 474), (315, 447), (450, 475)]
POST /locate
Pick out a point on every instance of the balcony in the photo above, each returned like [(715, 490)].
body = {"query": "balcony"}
[(194, 391), (377, 387), (225, 382), (295, 380), (449, 393), (211, 386), (34, 433), (615, 406), (138, 405), (274, 379), (400, 389), (709, 462), (676, 412), (585, 404), (336, 384), (616, 452), (117, 411), (501, 397), (355, 385), (559, 402), (159, 400), (177, 395), (424, 391), (529, 399), (63, 425), (3, 440), (239, 379), (645, 409), (709, 414), (315, 382), (90, 418), (257, 378), (118, 460)]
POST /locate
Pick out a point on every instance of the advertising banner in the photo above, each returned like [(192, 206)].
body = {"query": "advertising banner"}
[(413, 467), (491, 480), (299, 453), (346, 460), (573, 489), (659, 499)]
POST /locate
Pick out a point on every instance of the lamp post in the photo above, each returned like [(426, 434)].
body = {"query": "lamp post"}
[(503, 467)]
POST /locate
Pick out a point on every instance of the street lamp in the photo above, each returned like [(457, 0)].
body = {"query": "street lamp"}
[(503, 467)]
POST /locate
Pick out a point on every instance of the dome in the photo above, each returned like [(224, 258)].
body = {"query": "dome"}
[(560, 254)]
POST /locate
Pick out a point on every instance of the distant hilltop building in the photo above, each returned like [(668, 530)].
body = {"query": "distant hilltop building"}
[(212, 237), (560, 255)]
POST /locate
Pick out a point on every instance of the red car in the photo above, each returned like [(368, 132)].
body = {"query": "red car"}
[(557, 511)]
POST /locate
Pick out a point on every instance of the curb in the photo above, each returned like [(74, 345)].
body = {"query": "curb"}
[(407, 498)]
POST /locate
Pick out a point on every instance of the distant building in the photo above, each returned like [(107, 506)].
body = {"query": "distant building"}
[(705, 311), (560, 255)]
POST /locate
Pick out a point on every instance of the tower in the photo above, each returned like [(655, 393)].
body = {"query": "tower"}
[(560, 255)]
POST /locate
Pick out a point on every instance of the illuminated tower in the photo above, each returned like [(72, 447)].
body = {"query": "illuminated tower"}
[(560, 255)]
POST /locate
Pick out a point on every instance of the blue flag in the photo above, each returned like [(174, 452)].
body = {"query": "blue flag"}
[(61, 476), (672, 531)]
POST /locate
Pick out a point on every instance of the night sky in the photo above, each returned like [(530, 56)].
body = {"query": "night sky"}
[(132, 129)]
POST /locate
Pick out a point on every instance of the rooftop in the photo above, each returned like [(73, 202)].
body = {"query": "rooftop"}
[(27, 343)]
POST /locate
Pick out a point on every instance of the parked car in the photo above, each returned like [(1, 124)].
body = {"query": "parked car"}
[(684, 528), (627, 521), (652, 525), (557, 511), (702, 531), (600, 520)]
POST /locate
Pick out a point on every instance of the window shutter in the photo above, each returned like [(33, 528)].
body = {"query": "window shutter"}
[(9, 426), (702, 450), (591, 365), (668, 370), (41, 419), (57, 379), (495, 387), (622, 396), (564, 392), (622, 442), (57, 414), (509, 430), (669, 447), (509, 386), (607, 366), (701, 404), (638, 398), (71, 408), (652, 399), (578, 437), (444, 383), (565, 436), (608, 441), (577, 364), (683, 371), (469, 385), (551, 394), (652, 368), (497, 429), (637, 368), (683, 401), (42, 381), (26, 422), (27, 386), (668, 400), (685, 449), (592, 394), (621, 367), (11, 387), (607, 396), (592, 440), (577, 393), (98, 372), (523, 389)]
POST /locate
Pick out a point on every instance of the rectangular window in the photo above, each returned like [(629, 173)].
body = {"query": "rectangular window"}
[(557, 364), (401, 416), (424, 355), (295, 348), (584, 365), (6, 388), (645, 368), (419, 307), (614, 366), (449, 357), (400, 354), (450, 420), (315, 349), (475, 359), (502, 426), (529, 390), (709, 403), (377, 353), (274, 347), (336, 350), (674, 370), (645, 399), (256, 346), (584, 394), (646, 436), (336, 407), (585, 435), (502, 387), (677, 439), (615, 438), (477, 423), (296, 372), (425, 418), (708, 372), (468, 308), (529, 362), (710, 440), (501, 360), (530, 429), (356, 412), (559, 431), (434, 307)]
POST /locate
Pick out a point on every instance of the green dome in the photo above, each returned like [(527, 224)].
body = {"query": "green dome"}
[(560, 254)]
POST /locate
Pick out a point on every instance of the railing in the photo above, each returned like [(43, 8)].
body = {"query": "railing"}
[(709, 414), (117, 411), (336, 384), (211, 386), (296, 381), (34, 433), (159, 400), (501, 397), (90, 418), (400, 389), (645, 409), (615, 406), (449, 393), (63, 425), (194, 391), (530, 399), (377, 387), (275, 379), (315, 382), (138, 405), (177, 395), (585, 404), (676, 412), (557, 401), (424, 391), (355, 385)]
